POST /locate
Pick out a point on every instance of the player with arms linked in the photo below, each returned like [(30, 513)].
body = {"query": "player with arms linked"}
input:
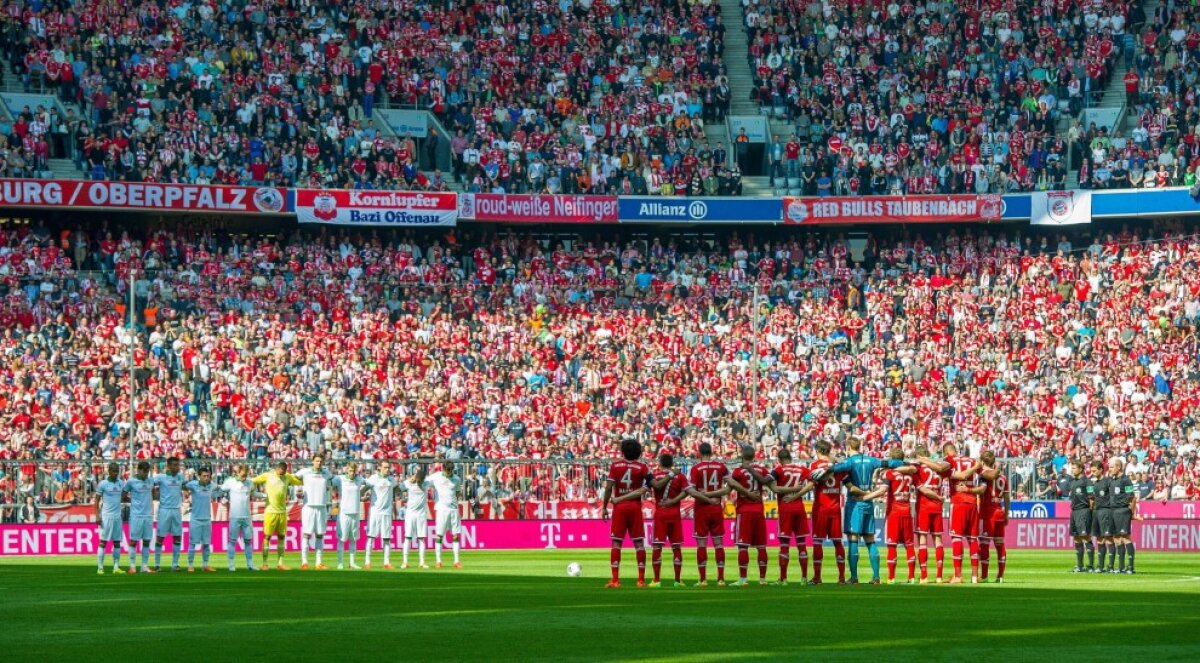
[(860, 470), (965, 488), (670, 487), (827, 512), (993, 516), (793, 519), (896, 485), (707, 479), (624, 487)]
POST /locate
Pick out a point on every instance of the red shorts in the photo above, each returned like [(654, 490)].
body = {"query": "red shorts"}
[(930, 522), (964, 520), (751, 528), (793, 521), (709, 521), (668, 527), (826, 524), (899, 528), (993, 524), (627, 520)]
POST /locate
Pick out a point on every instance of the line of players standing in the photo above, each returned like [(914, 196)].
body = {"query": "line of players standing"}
[(915, 489), (1103, 504)]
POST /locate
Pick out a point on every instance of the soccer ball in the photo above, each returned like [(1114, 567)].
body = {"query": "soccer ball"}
[(574, 570)]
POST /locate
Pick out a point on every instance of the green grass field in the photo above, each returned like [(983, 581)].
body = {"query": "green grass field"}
[(521, 606)]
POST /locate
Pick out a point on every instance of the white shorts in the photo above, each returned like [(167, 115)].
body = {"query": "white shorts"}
[(380, 525), (240, 528), (110, 528), (141, 528), (416, 527), (448, 520), (200, 533), (313, 520), (348, 527), (170, 523)]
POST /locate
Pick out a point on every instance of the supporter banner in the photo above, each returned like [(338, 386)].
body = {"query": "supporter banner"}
[(1172, 535), (523, 208), (1061, 208), (893, 209), (145, 196), (1173, 201), (699, 210), (376, 208)]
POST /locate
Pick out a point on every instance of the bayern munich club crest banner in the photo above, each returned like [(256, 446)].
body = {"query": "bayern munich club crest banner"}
[(142, 196), (1061, 208), (376, 208), (893, 209), (525, 208)]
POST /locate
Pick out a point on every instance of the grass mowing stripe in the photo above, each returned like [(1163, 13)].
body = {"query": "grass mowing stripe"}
[(520, 606)]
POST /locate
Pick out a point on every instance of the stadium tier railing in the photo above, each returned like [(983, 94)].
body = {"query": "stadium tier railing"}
[(521, 489)]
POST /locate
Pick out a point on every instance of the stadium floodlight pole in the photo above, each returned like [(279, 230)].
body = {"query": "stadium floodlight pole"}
[(754, 437), (132, 376)]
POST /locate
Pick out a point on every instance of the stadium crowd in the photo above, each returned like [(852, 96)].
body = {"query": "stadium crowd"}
[(475, 344), (570, 97)]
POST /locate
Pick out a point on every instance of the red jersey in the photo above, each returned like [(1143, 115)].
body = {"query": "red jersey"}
[(992, 499), (929, 480), (791, 476), (829, 490), (668, 492), (628, 476), (900, 492), (707, 476), (744, 477), (962, 464)]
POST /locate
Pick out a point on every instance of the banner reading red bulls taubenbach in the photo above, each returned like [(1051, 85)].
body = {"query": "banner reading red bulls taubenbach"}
[(894, 209), (376, 208)]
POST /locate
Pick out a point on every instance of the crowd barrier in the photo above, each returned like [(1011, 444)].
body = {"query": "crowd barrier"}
[(1173, 535), (410, 208)]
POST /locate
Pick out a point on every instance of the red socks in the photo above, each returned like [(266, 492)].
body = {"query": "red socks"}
[(984, 554), (614, 559), (743, 561), (912, 561), (783, 559), (702, 562), (923, 557), (641, 561), (762, 563), (891, 561), (956, 548), (840, 549), (677, 560), (818, 558), (1000, 559), (656, 560), (721, 564)]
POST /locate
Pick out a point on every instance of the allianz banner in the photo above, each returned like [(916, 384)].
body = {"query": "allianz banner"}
[(893, 209), (351, 207), (526, 208), (663, 209)]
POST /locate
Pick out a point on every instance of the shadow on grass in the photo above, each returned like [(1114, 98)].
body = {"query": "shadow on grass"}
[(476, 615)]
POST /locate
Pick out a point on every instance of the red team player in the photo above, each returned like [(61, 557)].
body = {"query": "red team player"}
[(670, 487), (929, 526), (965, 488), (626, 484), (751, 527), (897, 486), (993, 516), (707, 480), (827, 512), (793, 518)]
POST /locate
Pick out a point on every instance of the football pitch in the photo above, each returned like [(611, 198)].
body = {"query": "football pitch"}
[(522, 606)]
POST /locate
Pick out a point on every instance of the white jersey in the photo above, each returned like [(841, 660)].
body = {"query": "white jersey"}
[(447, 489), (350, 491), (170, 490), (141, 497), (382, 490), (202, 497), (110, 498), (316, 487), (417, 502), (239, 497)]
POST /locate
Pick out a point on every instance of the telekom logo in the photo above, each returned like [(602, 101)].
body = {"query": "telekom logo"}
[(1189, 510), (550, 534)]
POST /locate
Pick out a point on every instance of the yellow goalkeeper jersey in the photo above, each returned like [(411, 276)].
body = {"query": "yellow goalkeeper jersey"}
[(276, 489)]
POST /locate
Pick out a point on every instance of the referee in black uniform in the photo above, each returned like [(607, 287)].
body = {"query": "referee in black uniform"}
[(1102, 523), (1083, 500), (1122, 500)]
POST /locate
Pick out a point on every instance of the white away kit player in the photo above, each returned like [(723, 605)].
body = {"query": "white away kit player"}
[(239, 490), (200, 524), (109, 493), (314, 517), (349, 486), (380, 527), (416, 516), (448, 522)]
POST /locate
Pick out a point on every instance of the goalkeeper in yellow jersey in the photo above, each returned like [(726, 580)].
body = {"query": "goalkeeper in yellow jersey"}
[(275, 516)]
